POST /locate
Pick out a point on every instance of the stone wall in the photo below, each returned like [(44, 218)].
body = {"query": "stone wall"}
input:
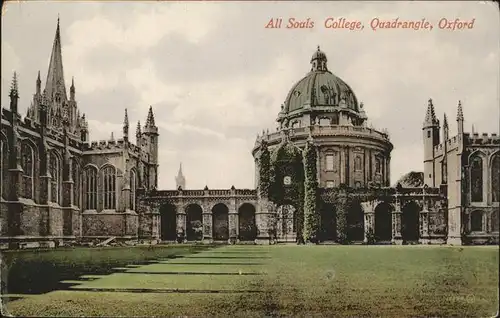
[(106, 224)]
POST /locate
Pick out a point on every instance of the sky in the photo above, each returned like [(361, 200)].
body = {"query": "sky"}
[(215, 76)]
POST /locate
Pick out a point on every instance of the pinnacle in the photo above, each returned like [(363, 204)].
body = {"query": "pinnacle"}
[(125, 120), (150, 121), (430, 116), (445, 121), (460, 113), (14, 85)]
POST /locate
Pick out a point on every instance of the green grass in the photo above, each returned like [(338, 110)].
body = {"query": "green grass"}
[(361, 281)]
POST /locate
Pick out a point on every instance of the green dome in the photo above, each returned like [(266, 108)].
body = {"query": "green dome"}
[(320, 88)]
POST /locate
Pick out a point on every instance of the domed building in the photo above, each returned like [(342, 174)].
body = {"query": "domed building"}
[(323, 107)]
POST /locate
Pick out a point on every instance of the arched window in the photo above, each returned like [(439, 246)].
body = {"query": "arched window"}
[(54, 168), (495, 178), (378, 165), (76, 173), (476, 179), (357, 163), (109, 188), (90, 179), (27, 164), (476, 221), (4, 164), (133, 185)]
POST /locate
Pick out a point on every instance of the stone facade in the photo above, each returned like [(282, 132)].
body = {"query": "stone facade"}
[(58, 186)]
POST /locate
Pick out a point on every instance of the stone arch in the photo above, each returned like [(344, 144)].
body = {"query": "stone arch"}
[(410, 221), (194, 222), (246, 222), (476, 162), (477, 221), (220, 219), (168, 222), (494, 172), (328, 214), (355, 221), (383, 222)]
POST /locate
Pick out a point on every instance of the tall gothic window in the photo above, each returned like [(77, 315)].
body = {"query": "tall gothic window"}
[(329, 162), (495, 178), (476, 179), (109, 188), (357, 163), (90, 179), (76, 182), (4, 164), (54, 168), (27, 163), (133, 184), (476, 221)]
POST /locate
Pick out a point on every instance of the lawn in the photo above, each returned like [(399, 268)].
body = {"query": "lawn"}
[(245, 281)]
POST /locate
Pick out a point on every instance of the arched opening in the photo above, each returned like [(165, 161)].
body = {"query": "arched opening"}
[(410, 222), (220, 217), (286, 219), (27, 163), (383, 222), (476, 221), (108, 188), (194, 223), (246, 222), (328, 222), (168, 222), (90, 183), (355, 222)]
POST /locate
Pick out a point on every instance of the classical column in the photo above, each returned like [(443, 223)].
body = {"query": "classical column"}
[(342, 165), (208, 230), (233, 218)]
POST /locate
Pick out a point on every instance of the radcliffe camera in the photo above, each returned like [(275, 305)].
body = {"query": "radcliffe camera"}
[(179, 159)]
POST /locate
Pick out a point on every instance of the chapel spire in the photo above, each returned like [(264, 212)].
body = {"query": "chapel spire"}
[(55, 75), (180, 180), (430, 116)]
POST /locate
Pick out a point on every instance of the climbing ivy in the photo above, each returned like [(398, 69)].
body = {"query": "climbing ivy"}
[(311, 217), (264, 170), (342, 211)]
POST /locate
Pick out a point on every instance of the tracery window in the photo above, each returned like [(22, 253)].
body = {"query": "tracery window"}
[(4, 164), (76, 182), (27, 164), (109, 188), (476, 221), (90, 177), (54, 168), (495, 178), (133, 185), (476, 179)]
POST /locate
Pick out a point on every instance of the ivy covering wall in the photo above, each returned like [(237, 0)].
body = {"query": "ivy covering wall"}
[(264, 170), (311, 210), (287, 161)]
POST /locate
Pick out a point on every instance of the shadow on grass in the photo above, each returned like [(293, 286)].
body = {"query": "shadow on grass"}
[(167, 290), (41, 271)]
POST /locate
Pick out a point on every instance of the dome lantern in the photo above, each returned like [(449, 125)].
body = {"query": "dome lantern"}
[(318, 61)]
